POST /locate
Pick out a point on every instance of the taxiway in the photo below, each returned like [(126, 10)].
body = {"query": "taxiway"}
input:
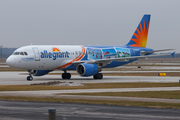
[(19, 78)]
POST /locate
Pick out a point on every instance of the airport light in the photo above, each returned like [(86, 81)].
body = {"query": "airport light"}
[(52, 114)]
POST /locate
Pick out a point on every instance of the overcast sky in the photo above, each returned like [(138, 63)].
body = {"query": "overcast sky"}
[(88, 22)]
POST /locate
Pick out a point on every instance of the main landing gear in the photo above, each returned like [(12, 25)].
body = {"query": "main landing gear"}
[(66, 75), (29, 78), (98, 76)]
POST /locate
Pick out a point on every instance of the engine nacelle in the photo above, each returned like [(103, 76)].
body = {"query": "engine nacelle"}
[(86, 69), (39, 72)]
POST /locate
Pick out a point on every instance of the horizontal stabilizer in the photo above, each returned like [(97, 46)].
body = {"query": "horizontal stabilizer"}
[(146, 52), (173, 54)]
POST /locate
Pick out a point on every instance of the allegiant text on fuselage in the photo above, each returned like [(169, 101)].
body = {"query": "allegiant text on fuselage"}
[(54, 55)]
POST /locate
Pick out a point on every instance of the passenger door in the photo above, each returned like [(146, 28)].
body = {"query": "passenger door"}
[(36, 54)]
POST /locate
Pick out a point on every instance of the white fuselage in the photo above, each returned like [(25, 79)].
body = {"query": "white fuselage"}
[(47, 57)]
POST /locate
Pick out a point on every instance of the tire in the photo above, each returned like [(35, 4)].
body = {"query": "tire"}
[(95, 76), (68, 76), (29, 78), (100, 76), (64, 76)]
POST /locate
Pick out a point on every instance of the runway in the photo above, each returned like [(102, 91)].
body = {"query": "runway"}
[(19, 78), (14, 110)]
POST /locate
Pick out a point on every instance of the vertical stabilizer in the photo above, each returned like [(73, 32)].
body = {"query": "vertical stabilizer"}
[(140, 35)]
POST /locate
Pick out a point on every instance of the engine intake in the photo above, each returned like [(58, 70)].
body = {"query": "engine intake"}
[(86, 69)]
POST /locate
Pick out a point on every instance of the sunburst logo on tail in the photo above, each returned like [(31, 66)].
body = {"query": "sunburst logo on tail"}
[(139, 38)]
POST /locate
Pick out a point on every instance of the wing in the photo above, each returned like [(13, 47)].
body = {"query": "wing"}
[(104, 62)]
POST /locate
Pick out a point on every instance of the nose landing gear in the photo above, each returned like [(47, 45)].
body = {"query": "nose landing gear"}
[(29, 78)]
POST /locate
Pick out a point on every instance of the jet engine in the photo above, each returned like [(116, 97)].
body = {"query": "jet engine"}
[(86, 69), (39, 72)]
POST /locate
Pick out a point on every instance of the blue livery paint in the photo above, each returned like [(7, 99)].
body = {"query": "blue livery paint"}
[(27, 59), (112, 51), (132, 51), (89, 69), (41, 72)]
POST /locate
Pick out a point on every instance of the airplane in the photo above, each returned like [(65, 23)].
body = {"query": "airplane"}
[(39, 60)]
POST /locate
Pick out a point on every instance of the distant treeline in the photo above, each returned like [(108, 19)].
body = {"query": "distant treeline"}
[(6, 52)]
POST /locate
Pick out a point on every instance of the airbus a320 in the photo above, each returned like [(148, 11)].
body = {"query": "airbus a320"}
[(39, 60)]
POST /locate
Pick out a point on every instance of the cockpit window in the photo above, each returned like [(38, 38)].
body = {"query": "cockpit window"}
[(25, 53), (21, 53), (16, 53)]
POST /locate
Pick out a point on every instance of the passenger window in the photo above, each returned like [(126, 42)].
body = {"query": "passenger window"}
[(21, 53), (25, 53)]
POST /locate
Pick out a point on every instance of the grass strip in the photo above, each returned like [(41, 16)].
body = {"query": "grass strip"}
[(143, 94), (104, 102), (86, 86)]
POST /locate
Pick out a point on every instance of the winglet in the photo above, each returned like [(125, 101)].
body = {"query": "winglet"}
[(173, 54)]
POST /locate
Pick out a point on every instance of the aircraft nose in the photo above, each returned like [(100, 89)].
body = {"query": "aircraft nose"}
[(10, 61)]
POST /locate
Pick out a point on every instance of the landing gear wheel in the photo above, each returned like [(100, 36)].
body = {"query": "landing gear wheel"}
[(95, 76), (66, 76), (29, 78), (98, 76)]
